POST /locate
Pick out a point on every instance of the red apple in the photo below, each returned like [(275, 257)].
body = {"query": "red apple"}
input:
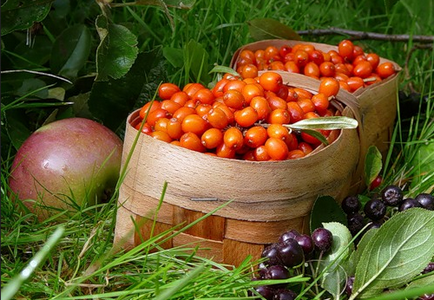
[(64, 164)]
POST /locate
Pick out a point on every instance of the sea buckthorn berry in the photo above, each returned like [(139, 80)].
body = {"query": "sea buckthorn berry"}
[(191, 103), (234, 85), (301, 58), (248, 55), (312, 70), (249, 71), (233, 138), (336, 59), (203, 109), (358, 59), (218, 89), (276, 102), (270, 81), (305, 147), (302, 93), (385, 70), (255, 136), (276, 148), (260, 153), (191, 141), (246, 117), (223, 150), (285, 49), (217, 118), (166, 90), (291, 66), (249, 155), (276, 65), (279, 116), (191, 88), (283, 92), (157, 114), (170, 105), (271, 52), (306, 105), (346, 49), (374, 59), (194, 123), (262, 107), (250, 91), (329, 86), (227, 111), (292, 95), (182, 112), (174, 128), (161, 124), (296, 153), (148, 108), (341, 77), (295, 111), (211, 138), (161, 135), (342, 68), (180, 97), (374, 78), (316, 57), (234, 99), (363, 69), (278, 131), (343, 85), (204, 96), (357, 50), (310, 139), (321, 103), (355, 83), (327, 69), (146, 129)]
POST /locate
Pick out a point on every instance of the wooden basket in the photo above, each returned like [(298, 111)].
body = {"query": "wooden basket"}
[(376, 104), (267, 198)]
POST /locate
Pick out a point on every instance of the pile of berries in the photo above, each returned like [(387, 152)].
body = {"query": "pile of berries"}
[(286, 257), (350, 65), (240, 118), (381, 206)]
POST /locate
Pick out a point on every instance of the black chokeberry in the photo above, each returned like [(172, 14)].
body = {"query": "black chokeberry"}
[(265, 291), (392, 195), (284, 294), (306, 243), (290, 253), (276, 272), (375, 209), (429, 268), (349, 285), (426, 200), (322, 239), (290, 234), (409, 203), (272, 255), (356, 223), (351, 204)]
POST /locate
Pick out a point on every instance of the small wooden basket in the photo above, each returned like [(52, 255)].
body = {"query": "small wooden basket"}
[(267, 198), (376, 104)]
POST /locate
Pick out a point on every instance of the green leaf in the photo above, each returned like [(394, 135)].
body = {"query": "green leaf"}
[(117, 50), (335, 277), (326, 123), (399, 250), (263, 29), (224, 69), (373, 164), (423, 163), (318, 135), (184, 4), (111, 101), (31, 85), (71, 51), (196, 62), (326, 209), (20, 15), (174, 56), (16, 127)]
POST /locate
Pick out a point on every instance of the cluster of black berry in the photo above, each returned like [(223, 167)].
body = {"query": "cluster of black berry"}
[(380, 206), (284, 259)]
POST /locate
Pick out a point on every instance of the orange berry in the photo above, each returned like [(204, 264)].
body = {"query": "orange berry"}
[(246, 117), (385, 70), (329, 86), (270, 81), (211, 138), (233, 138), (166, 90), (194, 123), (276, 148), (255, 136), (191, 141)]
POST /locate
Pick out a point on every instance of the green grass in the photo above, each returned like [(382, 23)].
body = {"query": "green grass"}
[(83, 263)]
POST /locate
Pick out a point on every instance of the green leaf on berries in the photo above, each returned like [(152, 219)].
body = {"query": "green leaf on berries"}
[(263, 29), (373, 164), (326, 209), (224, 69), (334, 277), (398, 251)]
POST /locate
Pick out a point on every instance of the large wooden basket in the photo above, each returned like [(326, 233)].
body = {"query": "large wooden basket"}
[(267, 198)]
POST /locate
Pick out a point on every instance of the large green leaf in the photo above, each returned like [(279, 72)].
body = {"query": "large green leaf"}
[(117, 50), (326, 209), (398, 251), (20, 15), (71, 51), (263, 29), (335, 276), (196, 62), (111, 101)]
